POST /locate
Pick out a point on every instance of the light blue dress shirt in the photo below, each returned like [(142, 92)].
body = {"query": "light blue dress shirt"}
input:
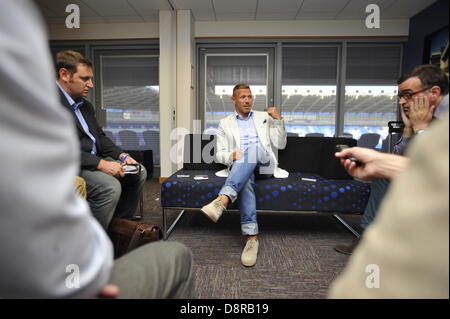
[(76, 108), (247, 131)]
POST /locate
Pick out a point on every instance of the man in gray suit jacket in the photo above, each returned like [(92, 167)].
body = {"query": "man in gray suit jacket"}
[(244, 143)]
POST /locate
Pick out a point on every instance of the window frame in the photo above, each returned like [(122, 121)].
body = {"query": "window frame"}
[(342, 43), (204, 52)]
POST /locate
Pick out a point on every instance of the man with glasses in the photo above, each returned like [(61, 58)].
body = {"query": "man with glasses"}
[(423, 96)]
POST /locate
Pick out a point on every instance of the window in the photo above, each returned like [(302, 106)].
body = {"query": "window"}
[(223, 69), (371, 89), (323, 87), (128, 91), (309, 89)]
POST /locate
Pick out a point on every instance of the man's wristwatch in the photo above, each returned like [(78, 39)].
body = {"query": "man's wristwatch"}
[(420, 131), (123, 155)]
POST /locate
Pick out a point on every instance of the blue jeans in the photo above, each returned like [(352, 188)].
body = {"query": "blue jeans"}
[(378, 190), (241, 181)]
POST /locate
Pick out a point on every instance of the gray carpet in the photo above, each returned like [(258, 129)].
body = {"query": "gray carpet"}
[(296, 257)]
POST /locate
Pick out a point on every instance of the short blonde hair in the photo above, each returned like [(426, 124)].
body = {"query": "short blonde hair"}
[(240, 86)]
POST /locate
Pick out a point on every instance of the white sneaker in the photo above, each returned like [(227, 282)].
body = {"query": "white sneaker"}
[(250, 252), (214, 209)]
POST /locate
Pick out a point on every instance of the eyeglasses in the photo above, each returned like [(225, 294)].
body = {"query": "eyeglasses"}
[(409, 95)]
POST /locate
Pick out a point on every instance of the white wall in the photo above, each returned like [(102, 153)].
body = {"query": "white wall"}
[(185, 74), (104, 31), (167, 88), (309, 28)]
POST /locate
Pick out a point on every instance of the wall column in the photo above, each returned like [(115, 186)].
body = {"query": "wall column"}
[(167, 88), (186, 97)]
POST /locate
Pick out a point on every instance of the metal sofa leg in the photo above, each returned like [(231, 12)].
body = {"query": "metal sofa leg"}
[(346, 225), (167, 232)]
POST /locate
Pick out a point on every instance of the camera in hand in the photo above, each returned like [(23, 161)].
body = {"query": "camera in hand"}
[(132, 168), (341, 147)]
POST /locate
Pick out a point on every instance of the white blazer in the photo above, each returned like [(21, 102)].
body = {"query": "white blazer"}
[(272, 136)]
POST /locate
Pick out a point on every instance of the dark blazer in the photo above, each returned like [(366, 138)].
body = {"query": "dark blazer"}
[(105, 147)]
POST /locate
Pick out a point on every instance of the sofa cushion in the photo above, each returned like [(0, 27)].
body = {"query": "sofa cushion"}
[(302, 154), (199, 151), (330, 166), (287, 194), (314, 155)]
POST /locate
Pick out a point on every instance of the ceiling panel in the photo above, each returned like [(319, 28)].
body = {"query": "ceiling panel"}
[(404, 9), (269, 6), (202, 10), (144, 7), (123, 11), (111, 8), (124, 19), (324, 5), (90, 20), (278, 10), (57, 8), (320, 9), (329, 15), (234, 6), (357, 9)]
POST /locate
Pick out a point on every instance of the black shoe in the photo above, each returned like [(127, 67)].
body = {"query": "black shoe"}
[(347, 249)]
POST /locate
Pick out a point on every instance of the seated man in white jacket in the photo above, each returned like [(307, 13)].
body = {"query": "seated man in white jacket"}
[(244, 143)]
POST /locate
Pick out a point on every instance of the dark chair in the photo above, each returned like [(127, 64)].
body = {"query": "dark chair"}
[(385, 145), (347, 135), (314, 135), (369, 140), (151, 139), (130, 140), (395, 132)]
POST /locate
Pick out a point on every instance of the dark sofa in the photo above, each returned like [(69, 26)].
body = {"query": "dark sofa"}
[(317, 181)]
